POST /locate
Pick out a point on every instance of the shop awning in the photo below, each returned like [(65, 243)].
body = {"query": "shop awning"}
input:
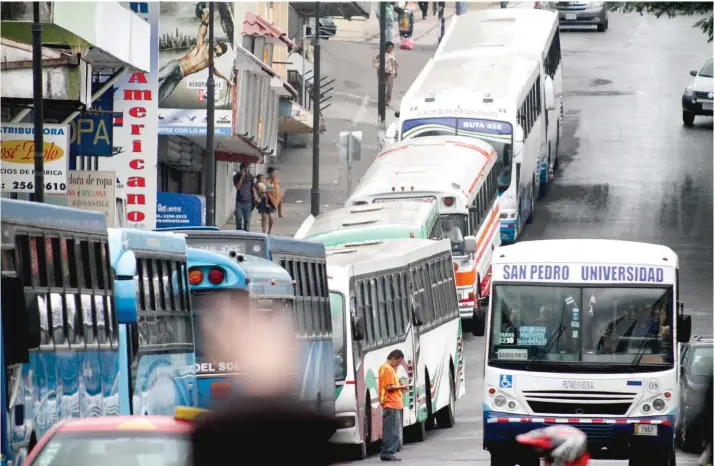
[(257, 26), (340, 9)]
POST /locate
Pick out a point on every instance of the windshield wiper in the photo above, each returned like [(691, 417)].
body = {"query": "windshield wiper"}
[(554, 341), (641, 351)]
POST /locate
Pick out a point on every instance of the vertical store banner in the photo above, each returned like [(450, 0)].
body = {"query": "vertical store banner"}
[(135, 131), (183, 72), (95, 191), (18, 157)]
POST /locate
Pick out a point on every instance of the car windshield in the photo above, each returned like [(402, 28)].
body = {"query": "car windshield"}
[(579, 326), (702, 362), (337, 307), (455, 227), (115, 449), (708, 69)]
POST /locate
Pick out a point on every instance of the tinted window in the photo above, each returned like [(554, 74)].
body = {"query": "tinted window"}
[(702, 362), (707, 70)]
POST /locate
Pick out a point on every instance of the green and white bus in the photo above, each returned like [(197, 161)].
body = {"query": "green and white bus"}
[(386, 295), (411, 219)]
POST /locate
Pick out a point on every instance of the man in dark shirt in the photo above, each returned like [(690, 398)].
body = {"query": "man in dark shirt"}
[(243, 182)]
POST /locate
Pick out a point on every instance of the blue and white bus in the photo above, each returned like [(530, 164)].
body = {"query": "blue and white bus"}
[(156, 321), (306, 264), (60, 340), (208, 275)]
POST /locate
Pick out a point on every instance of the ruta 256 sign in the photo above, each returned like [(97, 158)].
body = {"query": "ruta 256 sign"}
[(18, 158)]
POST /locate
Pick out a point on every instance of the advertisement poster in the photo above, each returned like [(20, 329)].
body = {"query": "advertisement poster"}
[(136, 106), (180, 210), (95, 191), (18, 157), (183, 67)]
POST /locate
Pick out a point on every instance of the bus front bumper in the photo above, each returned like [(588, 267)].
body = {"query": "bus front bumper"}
[(347, 432), (502, 428)]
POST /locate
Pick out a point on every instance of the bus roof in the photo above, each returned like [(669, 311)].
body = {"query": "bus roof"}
[(381, 255), (444, 81), (587, 251), (502, 31), (415, 166), (266, 277), (51, 217), (144, 240), (377, 218)]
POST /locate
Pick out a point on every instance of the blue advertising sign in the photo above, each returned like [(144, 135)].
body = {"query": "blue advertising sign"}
[(93, 133), (180, 210)]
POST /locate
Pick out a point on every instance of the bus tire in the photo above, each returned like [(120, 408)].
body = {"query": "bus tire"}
[(446, 416), (416, 432), (430, 415), (478, 324), (503, 458), (654, 457), (530, 216), (367, 429)]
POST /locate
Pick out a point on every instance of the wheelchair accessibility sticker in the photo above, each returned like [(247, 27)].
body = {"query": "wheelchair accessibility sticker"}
[(506, 381)]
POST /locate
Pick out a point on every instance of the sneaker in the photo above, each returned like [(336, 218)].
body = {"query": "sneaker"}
[(389, 458)]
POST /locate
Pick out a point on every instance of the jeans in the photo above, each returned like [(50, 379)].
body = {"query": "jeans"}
[(391, 429), (243, 213)]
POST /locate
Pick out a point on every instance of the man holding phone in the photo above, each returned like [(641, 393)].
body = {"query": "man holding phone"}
[(391, 399)]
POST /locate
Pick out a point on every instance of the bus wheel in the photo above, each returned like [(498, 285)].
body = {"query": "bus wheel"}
[(530, 216), (364, 447), (429, 423), (416, 432), (446, 417)]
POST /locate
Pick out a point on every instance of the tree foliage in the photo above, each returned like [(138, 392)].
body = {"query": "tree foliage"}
[(671, 9)]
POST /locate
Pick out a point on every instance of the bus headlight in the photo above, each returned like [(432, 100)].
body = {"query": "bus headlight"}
[(511, 404), (658, 404), (645, 408), (499, 401)]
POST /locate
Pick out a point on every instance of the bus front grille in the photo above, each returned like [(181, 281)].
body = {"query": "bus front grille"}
[(580, 409)]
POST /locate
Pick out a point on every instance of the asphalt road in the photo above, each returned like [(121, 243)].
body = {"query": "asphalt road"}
[(629, 170)]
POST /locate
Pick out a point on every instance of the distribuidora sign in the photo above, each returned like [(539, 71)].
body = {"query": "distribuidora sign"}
[(18, 157)]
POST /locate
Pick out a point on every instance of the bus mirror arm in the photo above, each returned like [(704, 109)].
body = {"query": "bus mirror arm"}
[(684, 328), (418, 317), (549, 89), (469, 244)]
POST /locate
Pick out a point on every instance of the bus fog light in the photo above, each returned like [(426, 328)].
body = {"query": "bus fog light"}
[(658, 404), (511, 405), (346, 422), (499, 401), (646, 408)]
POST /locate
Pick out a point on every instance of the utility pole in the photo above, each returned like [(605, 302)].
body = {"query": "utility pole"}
[(210, 126), (382, 90), (38, 103), (316, 91)]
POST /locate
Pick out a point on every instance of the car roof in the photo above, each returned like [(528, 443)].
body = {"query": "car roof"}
[(159, 424)]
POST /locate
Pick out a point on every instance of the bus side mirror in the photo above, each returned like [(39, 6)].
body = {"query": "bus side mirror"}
[(549, 93), (418, 316), (684, 328), (518, 135), (358, 328), (396, 114), (469, 244), (125, 300), (20, 322), (391, 132)]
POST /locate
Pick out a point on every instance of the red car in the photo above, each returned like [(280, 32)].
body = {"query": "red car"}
[(117, 441)]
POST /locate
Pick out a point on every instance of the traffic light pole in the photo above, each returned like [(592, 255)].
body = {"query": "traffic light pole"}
[(382, 82), (316, 91), (37, 96), (210, 126)]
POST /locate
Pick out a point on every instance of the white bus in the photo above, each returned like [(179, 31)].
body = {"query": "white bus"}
[(388, 295), (517, 33), (460, 175), (585, 332), (495, 99)]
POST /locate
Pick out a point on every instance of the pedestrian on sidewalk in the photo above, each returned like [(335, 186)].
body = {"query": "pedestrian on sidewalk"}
[(406, 20), (391, 69), (424, 7), (392, 401), (243, 181)]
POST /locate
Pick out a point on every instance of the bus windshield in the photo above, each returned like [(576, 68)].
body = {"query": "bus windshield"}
[(547, 327), (250, 246), (497, 133), (455, 227), (337, 306)]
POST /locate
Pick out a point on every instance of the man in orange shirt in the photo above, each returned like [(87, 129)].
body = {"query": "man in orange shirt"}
[(390, 397)]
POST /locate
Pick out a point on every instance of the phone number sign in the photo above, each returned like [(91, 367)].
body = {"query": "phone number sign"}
[(17, 169)]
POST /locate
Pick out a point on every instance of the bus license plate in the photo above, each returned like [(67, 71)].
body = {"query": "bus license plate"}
[(706, 106), (646, 429), (571, 16)]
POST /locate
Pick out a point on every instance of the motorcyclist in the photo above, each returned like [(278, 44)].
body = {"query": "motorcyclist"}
[(558, 445)]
